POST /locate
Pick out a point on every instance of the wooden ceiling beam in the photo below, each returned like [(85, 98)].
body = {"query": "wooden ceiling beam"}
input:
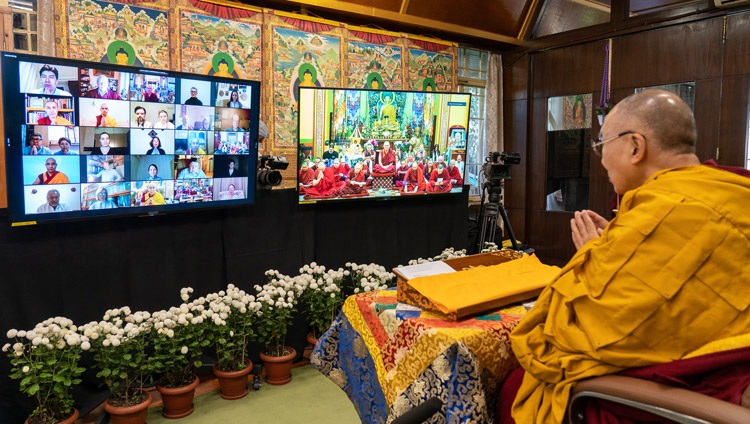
[(346, 7)]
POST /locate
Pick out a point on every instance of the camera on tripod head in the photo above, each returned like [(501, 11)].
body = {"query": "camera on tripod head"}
[(496, 168), (268, 170)]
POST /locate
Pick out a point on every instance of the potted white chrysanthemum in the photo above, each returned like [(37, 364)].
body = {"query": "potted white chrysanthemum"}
[(179, 336), (368, 277), (232, 315), (278, 299), (322, 297), (46, 360), (120, 348)]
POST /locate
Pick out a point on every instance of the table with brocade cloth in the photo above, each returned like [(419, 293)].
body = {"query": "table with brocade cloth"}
[(390, 357)]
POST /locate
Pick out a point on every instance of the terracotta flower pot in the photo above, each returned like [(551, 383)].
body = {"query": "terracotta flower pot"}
[(279, 368), (135, 414), (233, 384), (178, 401), (312, 340), (70, 420)]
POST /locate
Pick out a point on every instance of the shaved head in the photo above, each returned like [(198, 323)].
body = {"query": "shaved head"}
[(662, 116)]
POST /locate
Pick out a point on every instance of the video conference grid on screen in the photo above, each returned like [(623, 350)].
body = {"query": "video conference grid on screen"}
[(93, 137)]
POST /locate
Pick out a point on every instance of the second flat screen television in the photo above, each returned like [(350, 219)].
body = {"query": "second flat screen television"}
[(380, 144)]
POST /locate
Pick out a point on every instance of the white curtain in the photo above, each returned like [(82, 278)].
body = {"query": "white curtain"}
[(493, 123)]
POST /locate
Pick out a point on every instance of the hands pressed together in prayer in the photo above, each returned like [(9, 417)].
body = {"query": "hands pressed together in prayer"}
[(586, 225)]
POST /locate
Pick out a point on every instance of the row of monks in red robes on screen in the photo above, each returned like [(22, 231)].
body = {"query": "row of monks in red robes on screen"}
[(409, 176)]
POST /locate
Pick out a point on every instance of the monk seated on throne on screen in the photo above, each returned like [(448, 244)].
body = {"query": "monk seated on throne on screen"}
[(386, 160), (440, 180)]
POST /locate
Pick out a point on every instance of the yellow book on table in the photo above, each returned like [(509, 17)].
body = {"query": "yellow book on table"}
[(469, 292)]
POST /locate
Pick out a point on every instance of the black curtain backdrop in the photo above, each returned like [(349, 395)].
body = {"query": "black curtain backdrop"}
[(79, 269)]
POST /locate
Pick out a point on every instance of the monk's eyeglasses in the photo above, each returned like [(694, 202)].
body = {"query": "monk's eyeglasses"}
[(596, 145)]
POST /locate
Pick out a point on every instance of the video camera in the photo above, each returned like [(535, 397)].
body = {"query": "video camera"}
[(497, 165), (268, 170), (496, 168)]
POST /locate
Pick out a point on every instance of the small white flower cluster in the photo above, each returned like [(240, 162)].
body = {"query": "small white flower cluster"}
[(490, 247), (449, 253), (224, 303), (369, 277), (116, 327), (281, 291), (188, 313), (52, 333)]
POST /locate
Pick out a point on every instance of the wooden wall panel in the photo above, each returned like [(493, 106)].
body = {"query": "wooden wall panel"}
[(687, 52), (737, 46), (707, 111), (568, 70), (732, 134), (515, 115), (516, 77), (537, 158)]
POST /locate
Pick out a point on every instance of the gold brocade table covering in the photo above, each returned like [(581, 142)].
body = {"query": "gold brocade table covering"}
[(389, 357)]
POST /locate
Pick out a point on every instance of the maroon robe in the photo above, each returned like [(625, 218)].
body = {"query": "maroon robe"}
[(401, 174), (340, 173), (455, 175), (414, 180), (350, 188), (305, 178), (325, 185), (434, 186), (387, 162)]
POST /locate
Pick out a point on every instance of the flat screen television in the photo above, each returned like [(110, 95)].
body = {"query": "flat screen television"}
[(89, 140), (380, 144)]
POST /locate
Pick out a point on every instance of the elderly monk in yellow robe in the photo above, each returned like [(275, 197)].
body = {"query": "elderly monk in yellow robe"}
[(665, 277)]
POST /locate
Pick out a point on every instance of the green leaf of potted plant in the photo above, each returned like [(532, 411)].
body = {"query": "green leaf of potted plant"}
[(277, 300), (233, 314), (180, 335), (46, 360), (120, 343), (322, 296)]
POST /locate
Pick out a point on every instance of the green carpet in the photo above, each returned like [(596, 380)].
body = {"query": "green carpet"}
[(309, 398)]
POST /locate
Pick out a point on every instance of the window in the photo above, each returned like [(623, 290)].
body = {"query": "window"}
[(472, 76), (24, 25)]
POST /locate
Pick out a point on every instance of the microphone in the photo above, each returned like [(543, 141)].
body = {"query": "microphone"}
[(421, 412)]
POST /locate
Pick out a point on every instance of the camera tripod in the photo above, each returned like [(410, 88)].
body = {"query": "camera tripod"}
[(487, 219)]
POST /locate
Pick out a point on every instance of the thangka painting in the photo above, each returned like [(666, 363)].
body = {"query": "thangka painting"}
[(214, 46), (576, 111), (374, 66), (301, 59), (116, 33), (430, 71)]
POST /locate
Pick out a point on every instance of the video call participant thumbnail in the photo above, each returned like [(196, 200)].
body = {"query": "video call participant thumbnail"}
[(51, 175), (103, 145), (48, 76), (52, 199), (151, 168), (36, 146), (51, 108), (230, 166), (104, 113)]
